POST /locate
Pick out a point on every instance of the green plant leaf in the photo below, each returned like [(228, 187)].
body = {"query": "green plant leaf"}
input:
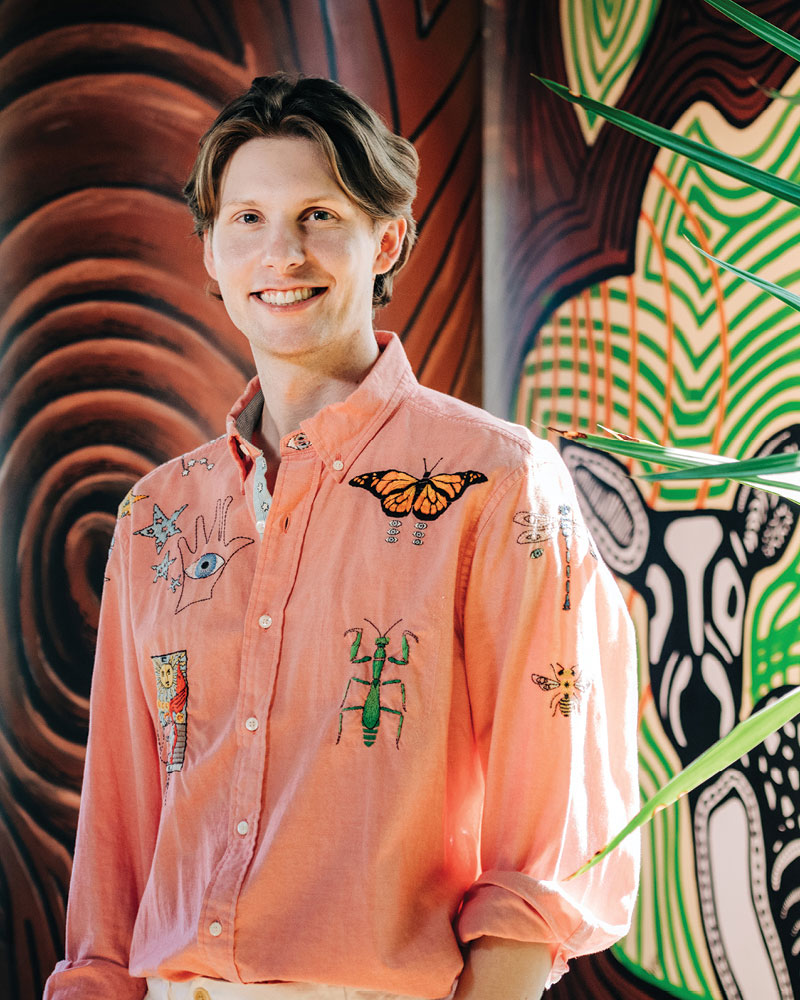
[(746, 468), (698, 465), (763, 29), (724, 162), (740, 740), (788, 298)]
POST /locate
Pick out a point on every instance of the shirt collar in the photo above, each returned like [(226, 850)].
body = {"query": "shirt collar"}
[(340, 431)]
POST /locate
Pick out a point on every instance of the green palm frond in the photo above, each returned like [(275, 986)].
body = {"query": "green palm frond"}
[(740, 740), (734, 167), (779, 473)]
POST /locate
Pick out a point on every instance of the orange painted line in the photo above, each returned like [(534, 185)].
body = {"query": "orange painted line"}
[(699, 232), (634, 362), (670, 339), (576, 357), (609, 412), (537, 376), (587, 309), (554, 398), (644, 701)]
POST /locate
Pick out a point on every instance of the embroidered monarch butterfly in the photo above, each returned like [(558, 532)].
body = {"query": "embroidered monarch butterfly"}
[(427, 498)]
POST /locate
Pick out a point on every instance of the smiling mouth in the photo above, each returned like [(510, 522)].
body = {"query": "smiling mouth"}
[(288, 297)]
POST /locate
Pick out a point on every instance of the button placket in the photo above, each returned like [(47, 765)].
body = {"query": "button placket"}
[(276, 568)]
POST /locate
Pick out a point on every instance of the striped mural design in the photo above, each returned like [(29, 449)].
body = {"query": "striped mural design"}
[(602, 43), (683, 353)]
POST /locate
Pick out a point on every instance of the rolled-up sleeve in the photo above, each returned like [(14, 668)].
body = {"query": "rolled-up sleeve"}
[(120, 805), (552, 674)]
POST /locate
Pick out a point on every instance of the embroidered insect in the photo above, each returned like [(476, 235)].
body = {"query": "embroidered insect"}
[(426, 498), (543, 526), (371, 708), (566, 683)]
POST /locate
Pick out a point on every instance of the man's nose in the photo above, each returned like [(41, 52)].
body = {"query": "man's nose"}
[(282, 247)]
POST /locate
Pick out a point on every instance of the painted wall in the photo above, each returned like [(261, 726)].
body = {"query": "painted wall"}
[(112, 358), (599, 311)]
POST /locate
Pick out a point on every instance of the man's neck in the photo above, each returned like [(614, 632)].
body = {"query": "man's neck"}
[(296, 389)]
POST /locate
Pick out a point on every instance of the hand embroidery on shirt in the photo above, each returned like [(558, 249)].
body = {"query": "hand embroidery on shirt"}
[(371, 708), (128, 500), (172, 702), (187, 467), (426, 498), (566, 683), (202, 565), (542, 526)]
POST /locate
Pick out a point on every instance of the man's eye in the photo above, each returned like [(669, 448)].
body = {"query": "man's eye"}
[(249, 218), (320, 215)]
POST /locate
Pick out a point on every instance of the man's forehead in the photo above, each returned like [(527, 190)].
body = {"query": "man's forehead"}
[(285, 164)]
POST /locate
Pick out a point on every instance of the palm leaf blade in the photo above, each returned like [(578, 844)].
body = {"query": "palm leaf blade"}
[(758, 26), (788, 298), (731, 165), (740, 740)]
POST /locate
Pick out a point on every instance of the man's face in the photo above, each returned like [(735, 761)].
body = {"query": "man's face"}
[(294, 257)]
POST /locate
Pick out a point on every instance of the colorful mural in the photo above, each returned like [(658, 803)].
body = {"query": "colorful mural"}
[(676, 350)]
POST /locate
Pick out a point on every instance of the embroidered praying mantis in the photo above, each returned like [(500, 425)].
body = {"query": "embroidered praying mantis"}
[(371, 708)]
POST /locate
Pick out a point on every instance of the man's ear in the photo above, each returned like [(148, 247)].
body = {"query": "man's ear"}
[(208, 255), (392, 233)]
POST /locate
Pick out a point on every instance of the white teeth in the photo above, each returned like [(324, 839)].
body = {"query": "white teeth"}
[(286, 298)]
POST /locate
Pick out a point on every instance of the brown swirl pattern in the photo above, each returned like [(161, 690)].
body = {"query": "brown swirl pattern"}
[(112, 358)]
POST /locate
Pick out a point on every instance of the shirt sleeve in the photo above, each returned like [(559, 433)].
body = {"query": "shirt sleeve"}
[(552, 675), (120, 805)]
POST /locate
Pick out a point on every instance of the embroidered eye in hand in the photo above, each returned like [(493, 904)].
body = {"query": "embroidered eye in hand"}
[(207, 565)]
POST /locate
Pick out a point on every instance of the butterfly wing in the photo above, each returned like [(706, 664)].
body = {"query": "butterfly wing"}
[(435, 494), (395, 490)]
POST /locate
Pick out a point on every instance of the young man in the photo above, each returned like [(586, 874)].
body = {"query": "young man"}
[(364, 694)]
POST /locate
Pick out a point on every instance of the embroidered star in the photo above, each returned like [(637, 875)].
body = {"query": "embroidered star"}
[(162, 568), (162, 527), (174, 583)]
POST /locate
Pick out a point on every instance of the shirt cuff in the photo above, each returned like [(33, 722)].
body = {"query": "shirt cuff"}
[(520, 908), (93, 979)]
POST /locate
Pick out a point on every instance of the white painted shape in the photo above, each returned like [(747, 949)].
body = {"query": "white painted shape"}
[(729, 853), (726, 581), (682, 677), (716, 679), (691, 543), (658, 626)]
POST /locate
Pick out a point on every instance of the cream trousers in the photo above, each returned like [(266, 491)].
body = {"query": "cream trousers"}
[(215, 989)]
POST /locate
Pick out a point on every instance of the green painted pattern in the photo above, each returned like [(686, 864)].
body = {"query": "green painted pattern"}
[(699, 388), (602, 41)]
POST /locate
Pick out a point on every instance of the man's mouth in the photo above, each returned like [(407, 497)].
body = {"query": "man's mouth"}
[(289, 296)]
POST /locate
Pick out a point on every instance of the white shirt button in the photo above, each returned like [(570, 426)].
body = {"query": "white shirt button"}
[(242, 827), (338, 465), (260, 525), (251, 724), (215, 929), (265, 621)]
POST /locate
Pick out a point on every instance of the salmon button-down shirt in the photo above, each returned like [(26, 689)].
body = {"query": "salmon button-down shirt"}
[(339, 729)]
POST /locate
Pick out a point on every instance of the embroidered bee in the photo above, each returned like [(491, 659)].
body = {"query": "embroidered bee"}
[(566, 683), (427, 498)]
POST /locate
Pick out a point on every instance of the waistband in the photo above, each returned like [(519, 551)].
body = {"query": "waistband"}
[(215, 989)]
